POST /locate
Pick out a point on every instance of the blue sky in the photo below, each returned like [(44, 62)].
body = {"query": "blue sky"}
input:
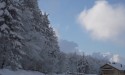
[(64, 14)]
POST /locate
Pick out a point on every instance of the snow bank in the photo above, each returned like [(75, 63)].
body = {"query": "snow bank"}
[(19, 72)]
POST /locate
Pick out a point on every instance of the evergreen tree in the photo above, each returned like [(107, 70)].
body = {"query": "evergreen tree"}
[(82, 65), (40, 40), (10, 38)]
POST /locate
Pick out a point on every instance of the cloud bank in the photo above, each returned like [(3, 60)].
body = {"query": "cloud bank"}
[(109, 56), (103, 21)]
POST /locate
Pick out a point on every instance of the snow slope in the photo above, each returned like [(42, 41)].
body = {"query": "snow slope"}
[(19, 72)]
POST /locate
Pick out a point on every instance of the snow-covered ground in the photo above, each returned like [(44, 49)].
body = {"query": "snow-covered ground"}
[(19, 72), (24, 72)]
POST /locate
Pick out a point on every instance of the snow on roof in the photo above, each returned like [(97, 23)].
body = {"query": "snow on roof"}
[(118, 66)]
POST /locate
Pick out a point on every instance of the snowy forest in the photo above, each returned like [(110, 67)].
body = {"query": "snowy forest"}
[(28, 42)]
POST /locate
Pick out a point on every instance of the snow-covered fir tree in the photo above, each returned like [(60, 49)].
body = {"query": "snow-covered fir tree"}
[(73, 59), (82, 65), (27, 39), (40, 39), (11, 41)]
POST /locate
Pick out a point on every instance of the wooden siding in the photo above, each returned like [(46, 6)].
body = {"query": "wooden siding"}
[(109, 70)]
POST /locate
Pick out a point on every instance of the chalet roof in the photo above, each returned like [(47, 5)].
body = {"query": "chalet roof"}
[(118, 66)]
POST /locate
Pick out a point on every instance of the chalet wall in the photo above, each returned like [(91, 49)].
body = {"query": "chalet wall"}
[(109, 70), (122, 73)]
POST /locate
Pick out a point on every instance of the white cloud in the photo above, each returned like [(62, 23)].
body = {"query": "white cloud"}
[(115, 58), (104, 21)]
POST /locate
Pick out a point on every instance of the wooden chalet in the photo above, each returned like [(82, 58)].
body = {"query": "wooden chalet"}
[(113, 69)]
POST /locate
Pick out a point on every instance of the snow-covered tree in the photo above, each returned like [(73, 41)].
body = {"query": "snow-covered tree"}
[(27, 39), (62, 63), (82, 65), (72, 62), (40, 39), (11, 41), (94, 64)]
